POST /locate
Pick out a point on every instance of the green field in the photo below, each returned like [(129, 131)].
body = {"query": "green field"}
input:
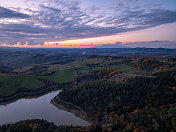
[(87, 69), (61, 76), (123, 68), (67, 74), (9, 84)]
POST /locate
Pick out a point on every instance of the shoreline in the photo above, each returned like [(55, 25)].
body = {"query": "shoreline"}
[(31, 93), (69, 107), (25, 95)]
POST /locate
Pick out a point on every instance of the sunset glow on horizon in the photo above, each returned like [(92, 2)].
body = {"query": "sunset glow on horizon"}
[(133, 36), (85, 24)]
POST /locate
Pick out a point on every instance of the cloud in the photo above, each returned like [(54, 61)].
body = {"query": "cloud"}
[(142, 44), (58, 20), (7, 13)]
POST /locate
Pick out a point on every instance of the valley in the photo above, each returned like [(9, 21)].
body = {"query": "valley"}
[(129, 92)]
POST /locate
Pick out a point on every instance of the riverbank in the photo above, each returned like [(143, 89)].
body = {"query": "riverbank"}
[(66, 106), (36, 92)]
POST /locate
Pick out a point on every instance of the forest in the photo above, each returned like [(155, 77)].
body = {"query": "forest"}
[(146, 103)]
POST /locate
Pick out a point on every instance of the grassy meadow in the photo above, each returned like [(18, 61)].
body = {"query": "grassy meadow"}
[(27, 79), (9, 84)]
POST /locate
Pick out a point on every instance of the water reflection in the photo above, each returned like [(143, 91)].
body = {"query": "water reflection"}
[(38, 108)]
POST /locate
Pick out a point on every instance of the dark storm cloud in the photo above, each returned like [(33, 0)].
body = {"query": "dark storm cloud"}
[(66, 20), (7, 13)]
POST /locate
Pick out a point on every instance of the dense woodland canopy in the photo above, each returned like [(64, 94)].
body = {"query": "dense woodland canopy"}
[(144, 102)]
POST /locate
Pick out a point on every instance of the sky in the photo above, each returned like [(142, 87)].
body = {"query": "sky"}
[(88, 23)]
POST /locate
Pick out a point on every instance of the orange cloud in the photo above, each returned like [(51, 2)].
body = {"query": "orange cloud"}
[(19, 45)]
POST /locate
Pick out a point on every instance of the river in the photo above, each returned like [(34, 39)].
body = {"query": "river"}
[(38, 108)]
